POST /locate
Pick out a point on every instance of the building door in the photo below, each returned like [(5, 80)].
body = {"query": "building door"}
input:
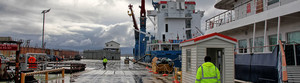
[(216, 55), (112, 57)]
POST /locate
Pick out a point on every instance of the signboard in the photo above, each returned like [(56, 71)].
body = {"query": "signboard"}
[(8, 47)]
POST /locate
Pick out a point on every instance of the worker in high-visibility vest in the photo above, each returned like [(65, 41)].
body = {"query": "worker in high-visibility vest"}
[(104, 62), (208, 72)]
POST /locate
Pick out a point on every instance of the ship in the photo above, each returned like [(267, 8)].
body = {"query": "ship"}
[(260, 26), (174, 21)]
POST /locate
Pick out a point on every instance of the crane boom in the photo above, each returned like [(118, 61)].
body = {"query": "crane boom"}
[(133, 17)]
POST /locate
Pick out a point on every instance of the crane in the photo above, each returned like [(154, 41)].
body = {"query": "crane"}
[(140, 38), (136, 34)]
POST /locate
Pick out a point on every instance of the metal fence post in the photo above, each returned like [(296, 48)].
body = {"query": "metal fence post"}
[(23, 77), (63, 73), (46, 77)]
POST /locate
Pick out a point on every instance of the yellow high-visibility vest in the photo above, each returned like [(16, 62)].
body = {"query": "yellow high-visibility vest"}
[(104, 60), (208, 73)]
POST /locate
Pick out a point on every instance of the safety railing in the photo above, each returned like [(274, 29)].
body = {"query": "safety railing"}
[(243, 10), (46, 72), (283, 63), (257, 49)]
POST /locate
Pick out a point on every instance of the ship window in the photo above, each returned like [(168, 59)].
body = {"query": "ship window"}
[(163, 6), (188, 23), (293, 37), (242, 46), (258, 43), (188, 60), (188, 34), (273, 41), (164, 37), (270, 2), (166, 27)]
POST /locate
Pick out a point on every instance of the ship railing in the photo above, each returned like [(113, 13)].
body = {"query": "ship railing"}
[(243, 10), (165, 42), (256, 49)]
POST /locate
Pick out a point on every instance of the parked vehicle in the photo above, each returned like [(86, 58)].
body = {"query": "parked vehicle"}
[(77, 57)]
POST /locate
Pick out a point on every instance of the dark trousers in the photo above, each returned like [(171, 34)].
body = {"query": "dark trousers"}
[(104, 64)]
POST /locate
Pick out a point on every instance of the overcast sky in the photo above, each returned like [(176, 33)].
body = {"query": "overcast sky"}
[(77, 24)]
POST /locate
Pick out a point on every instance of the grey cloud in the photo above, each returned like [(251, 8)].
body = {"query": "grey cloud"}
[(75, 24)]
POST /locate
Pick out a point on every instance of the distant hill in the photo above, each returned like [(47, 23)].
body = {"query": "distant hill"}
[(126, 55)]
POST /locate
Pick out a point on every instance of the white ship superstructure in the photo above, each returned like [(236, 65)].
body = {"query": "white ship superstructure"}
[(174, 21), (261, 21), (258, 25)]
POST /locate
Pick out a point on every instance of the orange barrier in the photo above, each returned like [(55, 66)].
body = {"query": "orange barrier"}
[(46, 72)]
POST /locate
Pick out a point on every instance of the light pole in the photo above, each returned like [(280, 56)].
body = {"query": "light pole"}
[(44, 12)]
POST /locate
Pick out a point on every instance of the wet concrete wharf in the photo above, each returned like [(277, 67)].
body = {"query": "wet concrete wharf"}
[(116, 72)]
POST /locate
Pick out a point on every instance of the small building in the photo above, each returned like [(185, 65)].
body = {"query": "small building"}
[(111, 52), (219, 47), (112, 46)]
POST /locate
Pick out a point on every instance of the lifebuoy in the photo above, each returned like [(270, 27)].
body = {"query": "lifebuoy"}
[(31, 60)]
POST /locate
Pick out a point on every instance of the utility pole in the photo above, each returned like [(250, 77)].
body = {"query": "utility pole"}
[(44, 12)]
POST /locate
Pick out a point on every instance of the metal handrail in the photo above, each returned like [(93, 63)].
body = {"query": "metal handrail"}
[(283, 63), (231, 15), (229, 10), (46, 72)]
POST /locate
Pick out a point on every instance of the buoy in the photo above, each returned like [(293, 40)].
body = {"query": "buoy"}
[(154, 72), (150, 71)]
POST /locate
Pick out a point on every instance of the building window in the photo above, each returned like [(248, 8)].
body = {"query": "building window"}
[(273, 41), (242, 46), (188, 34), (188, 23), (258, 44), (293, 37), (188, 60), (166, 27), (164, 37)]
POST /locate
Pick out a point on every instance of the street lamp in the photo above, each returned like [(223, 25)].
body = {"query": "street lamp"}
[(44, 12)]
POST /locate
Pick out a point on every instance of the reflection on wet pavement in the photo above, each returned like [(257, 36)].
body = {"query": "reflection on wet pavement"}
[(116, 72)]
